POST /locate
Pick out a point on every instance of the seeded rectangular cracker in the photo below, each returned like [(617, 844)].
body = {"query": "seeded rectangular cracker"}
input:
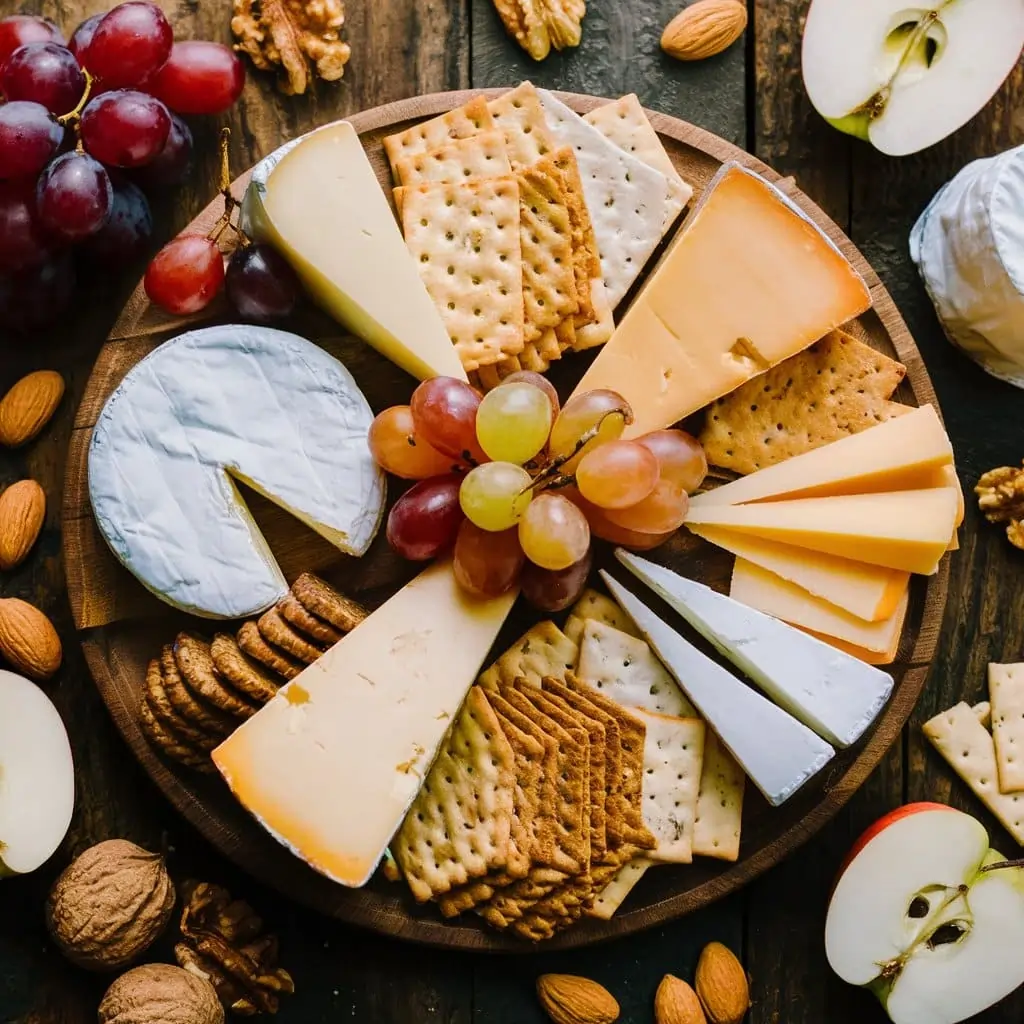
[(595, 605), (613, 895), (463, 122), (466, 241), (718, 825), (592, 335), (586, 260), (484, 155), (1006, 696), (837, 387), (520, 116), (543, 650), (460, 825), (959, 736)]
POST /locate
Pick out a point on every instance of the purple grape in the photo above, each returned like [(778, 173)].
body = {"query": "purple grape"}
[(126, 235), (74, 196), (38, 297), (44, 73), (173, 164), (261, 284)]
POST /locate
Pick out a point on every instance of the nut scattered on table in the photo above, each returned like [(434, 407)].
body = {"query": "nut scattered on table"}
[(704, 29), (539, 25), (1000, 494), (568, 999), (222, 942), (721, 985), (675, 1002), (110, 905), (28, 641), (297, 38), (160, 994), (28, 407), (22, 514)]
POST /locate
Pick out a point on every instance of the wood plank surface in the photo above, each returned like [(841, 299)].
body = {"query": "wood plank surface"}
[(750, 95)]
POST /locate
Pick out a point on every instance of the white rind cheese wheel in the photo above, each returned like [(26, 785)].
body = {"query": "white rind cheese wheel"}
[(210, 407)]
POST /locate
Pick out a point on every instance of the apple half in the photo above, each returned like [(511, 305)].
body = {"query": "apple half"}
[(37, 778), (924, 916), (903, 76)]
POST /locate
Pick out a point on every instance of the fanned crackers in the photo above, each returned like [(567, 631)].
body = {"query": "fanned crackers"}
[(837, 387), (520, 116), (479, 156), (461, 123), (543, 650), (593, 605), (1006, 695)]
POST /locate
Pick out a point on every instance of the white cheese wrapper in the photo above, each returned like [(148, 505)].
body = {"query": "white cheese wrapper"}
[(969, 248)]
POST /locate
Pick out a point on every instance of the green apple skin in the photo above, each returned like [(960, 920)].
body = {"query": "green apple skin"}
[(856, 125)]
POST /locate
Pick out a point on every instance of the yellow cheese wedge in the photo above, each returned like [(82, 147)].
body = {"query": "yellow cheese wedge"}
[(330, 766), (321, 206), (868, 592), (910, 452), (749, 282), (773, 595), (906, 530), (869, 657)]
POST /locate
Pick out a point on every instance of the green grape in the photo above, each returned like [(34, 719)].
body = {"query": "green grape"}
[(581, 414), (494, 496), (513, 423), (553, 532)]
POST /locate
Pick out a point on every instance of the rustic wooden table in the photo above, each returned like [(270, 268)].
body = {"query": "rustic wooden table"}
[(752, 96)]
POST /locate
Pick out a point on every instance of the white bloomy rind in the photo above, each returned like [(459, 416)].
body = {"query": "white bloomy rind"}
[(37, 777)]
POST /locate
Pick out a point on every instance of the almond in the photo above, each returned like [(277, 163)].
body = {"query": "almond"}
[(28, 407), (721, 985), (704, 29), (676, 1003), (22, 512), (28, 641), (568, 999)]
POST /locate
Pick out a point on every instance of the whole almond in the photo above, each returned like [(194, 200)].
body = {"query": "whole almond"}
[(28, 407), (568, 999), (704, 29), (721, 985), (22, 512), (676, 1003), (28, 641)]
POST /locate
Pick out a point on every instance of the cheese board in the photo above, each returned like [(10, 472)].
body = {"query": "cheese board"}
[(122, 624)]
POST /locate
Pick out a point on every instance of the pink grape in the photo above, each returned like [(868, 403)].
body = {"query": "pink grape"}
[(444, 414), (73, 196), (617, 474), (130, 43), (680, 457), (20, 29), (199, 77), (662, 511), (29, 138), (397, 450), (554, 532), (44, 73), (125, 128), (425, 520), (185, 275), (487, 564)]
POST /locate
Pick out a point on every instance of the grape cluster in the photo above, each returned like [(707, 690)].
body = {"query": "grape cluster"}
[(517, 485), (85, 127)]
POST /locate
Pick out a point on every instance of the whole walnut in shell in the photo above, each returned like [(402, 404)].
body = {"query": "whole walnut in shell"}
[(160, 994), (110, 905)]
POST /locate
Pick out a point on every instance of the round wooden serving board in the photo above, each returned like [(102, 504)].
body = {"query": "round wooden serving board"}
[(122, 626)]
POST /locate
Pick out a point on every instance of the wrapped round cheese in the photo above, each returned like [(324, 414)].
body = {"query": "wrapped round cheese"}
[(969, 248)]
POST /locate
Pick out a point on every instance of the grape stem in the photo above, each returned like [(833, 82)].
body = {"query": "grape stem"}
[(549, 475), (224, 222), (72, 117)]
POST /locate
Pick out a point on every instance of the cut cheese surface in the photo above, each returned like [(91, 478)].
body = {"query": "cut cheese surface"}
[(869, 592), (330, 766), (318, 202), (835, 695), (909, 452), (773, 595), (907, 530), (749, 282)]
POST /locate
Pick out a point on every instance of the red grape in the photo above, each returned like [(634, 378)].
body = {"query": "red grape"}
[(125, 128), (45, 73), (554, 591), (73, 197), (82, 36), (37, 297), (23, 242), (444, 412), (487, 564), (199, 78), (129, 44), (19, 29), (186, 274), (173, 163), (125, 236), (426, 518), (29, 137), (261, 284)]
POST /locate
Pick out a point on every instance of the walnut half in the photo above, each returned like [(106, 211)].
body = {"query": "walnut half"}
[(1001, 498), (537, 25)]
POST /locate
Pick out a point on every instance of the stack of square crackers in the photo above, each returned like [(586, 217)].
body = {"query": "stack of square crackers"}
[(503, 226), (575, 764)]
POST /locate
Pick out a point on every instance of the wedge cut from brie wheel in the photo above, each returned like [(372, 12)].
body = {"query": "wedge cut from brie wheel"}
[(207, 409)]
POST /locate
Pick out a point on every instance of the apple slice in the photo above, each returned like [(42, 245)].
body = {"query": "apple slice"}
[(903, 76), (37, 778), (917, 918)]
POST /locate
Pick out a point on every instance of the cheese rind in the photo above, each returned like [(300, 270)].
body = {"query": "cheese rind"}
[(778, 752), (909, 452), (330, 766), (834, 694), (318, 202), (749, 282), (906, 530)]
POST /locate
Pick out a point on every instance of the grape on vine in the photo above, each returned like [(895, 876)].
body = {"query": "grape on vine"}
[(397, 450), (554, 590), (261, 284), (513, 422), (553, 532), (681, 457), (538, 380), (129, 44), (495, 495), (124, 238), (74, 197), (185, 275), (43, 73), (20, 29), (444, 411), (199, 77), (606, 413), (662, 511), (487, 564), (617, 474), (29, 138), (125, 128), (425, 520)]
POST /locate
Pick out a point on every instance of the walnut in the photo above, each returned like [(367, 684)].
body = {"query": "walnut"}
[(160, 994), (1001, 497), (110, 905), (222, 943), (537, 25), (294, 37)]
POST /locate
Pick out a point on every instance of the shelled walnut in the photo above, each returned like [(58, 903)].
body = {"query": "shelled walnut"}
[(538, 26), (1001, 498)]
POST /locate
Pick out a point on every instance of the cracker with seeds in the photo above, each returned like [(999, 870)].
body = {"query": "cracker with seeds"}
[(595, 334), (465, 239), (719, 820), (310, 626), (1006, 696), (837, 387), (461, 123), (614, 893), (245, 675), (281, 634), (586, 261), (592, 604), (480, 156), (251, 643), (319, 598), (520, 116), (967, 746), (460, 825), (543, 650)]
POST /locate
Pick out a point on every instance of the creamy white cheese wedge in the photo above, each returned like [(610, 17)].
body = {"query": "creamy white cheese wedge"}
[(835, 694), (779, 753), (210, 408)]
